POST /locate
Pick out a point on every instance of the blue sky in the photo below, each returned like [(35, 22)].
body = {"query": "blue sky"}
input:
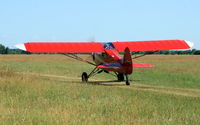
[(101, 20)]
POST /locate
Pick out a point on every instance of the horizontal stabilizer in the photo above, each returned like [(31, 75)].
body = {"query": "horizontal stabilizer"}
[(142, 65)]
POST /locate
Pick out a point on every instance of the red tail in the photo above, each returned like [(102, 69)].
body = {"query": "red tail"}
[(127, 62)]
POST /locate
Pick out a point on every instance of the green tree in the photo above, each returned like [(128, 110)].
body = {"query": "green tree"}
[(197, 52), (3, 49)]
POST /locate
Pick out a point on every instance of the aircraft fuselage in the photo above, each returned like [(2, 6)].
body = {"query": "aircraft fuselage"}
[(111, 55)]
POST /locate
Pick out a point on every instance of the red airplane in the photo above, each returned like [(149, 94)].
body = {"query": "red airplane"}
[(106, 56)]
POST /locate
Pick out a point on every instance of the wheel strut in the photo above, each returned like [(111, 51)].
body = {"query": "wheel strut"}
[(85, 76)]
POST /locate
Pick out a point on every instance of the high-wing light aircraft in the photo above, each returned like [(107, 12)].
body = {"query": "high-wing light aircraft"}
[(106, 56)]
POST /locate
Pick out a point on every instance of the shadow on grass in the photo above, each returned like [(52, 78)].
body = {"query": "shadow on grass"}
[(106, 83), (99, 82), (110, 82)]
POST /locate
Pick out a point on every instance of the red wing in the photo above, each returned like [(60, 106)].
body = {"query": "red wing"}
[(62, 47), (153, 45)]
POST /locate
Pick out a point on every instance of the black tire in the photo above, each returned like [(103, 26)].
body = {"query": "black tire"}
[(120, 77), (127, 83), (84, 77)]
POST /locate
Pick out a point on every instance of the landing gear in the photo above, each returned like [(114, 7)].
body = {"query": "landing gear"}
[(84, 77), (120, 77), (127, 81), (96, 70)]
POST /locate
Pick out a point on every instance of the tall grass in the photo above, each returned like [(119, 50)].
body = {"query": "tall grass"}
[(35, 99)]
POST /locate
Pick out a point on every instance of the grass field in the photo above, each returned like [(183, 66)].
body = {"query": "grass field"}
[(47, 89)]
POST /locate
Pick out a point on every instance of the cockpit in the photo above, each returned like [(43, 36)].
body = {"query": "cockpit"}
[(108, 46)]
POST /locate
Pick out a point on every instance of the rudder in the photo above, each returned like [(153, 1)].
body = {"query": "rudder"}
[(127, 61)]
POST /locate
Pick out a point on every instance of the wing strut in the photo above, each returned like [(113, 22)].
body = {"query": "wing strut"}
[(73, 56), (139, 56)]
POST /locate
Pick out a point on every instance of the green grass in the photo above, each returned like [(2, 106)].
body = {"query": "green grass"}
[(166, 94)]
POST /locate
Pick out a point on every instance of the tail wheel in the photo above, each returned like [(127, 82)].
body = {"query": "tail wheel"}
[(127, 83), (120, 77), (84, 77)]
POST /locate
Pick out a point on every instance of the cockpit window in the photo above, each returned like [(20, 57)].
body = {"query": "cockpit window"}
[(109, 46)]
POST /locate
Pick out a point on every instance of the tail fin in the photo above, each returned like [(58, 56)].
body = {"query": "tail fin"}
[(127, 61)]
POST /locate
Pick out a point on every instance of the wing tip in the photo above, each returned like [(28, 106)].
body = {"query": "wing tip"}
[(21, 46), (190, 44)]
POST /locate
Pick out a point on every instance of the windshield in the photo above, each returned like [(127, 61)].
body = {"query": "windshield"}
[(108, 46)]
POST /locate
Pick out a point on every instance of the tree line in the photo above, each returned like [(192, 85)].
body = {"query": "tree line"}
[(6, 50)]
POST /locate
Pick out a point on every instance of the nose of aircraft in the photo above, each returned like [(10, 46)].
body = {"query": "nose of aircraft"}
[(113, 53)]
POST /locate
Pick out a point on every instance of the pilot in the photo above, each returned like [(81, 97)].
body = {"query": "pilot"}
[(107, 46)]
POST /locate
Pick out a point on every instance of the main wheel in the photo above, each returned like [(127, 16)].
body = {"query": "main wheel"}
[(84, 77), (120, 77)]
